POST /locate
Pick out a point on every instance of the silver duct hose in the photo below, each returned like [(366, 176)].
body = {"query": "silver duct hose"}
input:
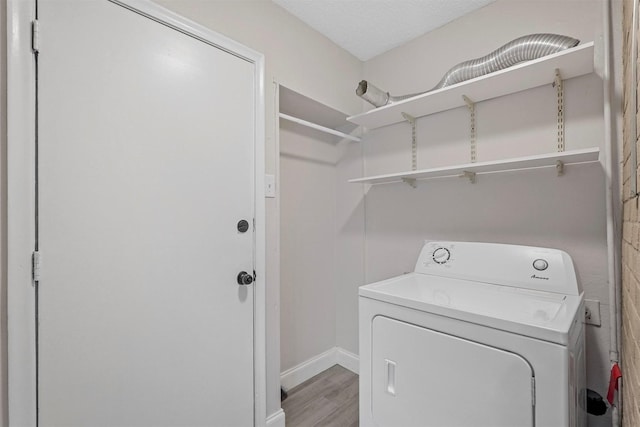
[(519, 50)]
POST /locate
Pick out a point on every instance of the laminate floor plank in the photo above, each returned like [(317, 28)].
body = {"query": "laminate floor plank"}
[(330, 399)]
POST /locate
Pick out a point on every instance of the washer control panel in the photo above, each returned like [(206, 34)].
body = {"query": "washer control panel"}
[(525, 267)]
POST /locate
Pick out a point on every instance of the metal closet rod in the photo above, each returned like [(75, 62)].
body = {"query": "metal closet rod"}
[(318, 127)]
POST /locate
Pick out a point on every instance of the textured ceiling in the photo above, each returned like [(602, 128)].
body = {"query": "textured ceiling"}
[(367, 28)]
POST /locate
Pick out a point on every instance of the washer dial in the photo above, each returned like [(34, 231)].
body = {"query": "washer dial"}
[(441, 255)]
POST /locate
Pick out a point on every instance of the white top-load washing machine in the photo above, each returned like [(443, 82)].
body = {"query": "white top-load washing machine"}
[(479, 334)]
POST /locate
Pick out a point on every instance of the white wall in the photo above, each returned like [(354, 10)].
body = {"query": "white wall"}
[(350, 245), (322, 243), (322, 232), (531, 207), (307, 257)]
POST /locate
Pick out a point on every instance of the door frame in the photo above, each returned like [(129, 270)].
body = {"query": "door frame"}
[(21, 200)]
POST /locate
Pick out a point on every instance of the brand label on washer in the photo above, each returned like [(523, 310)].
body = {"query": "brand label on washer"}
[(533, 276)]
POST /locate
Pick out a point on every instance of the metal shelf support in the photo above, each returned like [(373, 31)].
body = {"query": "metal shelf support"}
[(470, 175), (410, 181), (472, 112), (558, 84), (414, 148)]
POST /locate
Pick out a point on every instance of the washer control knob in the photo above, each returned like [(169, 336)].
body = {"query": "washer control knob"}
[(441, 255), (540, 264)]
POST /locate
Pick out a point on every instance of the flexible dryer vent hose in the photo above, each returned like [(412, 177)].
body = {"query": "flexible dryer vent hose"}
[(519, 50)]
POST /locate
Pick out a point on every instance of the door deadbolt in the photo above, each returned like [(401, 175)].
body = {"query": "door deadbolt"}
[(243, 225), (244, 278)]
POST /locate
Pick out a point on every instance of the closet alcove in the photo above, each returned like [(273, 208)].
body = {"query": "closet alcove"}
[(321, 237)]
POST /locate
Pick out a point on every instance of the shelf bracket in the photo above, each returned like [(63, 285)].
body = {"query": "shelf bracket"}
[(472, 112), (560, 167), (414, 140), (559, 85), (410, 181), (470, 175)]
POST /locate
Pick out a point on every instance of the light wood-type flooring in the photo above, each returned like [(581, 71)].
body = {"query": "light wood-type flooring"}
[(328, 399)]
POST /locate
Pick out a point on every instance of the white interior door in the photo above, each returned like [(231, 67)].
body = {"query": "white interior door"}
[(146, 165), (420, 377)]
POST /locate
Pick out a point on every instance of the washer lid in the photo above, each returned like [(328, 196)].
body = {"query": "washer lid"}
[(543, 315)]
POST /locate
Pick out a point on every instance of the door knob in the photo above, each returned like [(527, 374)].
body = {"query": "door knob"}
[(244, 278)]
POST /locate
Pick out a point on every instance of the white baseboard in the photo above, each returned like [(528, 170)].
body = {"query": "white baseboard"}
[(307, 369), (276, 419), (312, 367), (348, 360)]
